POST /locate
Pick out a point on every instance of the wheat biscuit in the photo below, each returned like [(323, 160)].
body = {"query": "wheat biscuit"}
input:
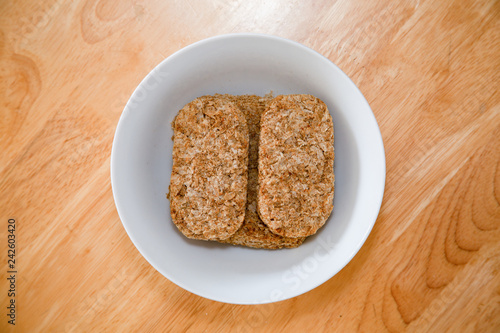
[(254, 233), (296, 179), (209, 174)]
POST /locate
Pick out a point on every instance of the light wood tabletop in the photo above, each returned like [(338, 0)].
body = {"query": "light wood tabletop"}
[(430, 71)]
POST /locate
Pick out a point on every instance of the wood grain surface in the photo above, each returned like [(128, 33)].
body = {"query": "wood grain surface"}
[(431, 73)]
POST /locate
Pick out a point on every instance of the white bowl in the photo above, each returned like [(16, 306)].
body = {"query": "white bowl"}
[(141, 162)]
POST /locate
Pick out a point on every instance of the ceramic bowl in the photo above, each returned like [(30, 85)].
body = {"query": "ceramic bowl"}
[(141, 163)]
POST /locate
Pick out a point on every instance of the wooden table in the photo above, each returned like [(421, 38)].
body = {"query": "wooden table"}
[(431, 73)]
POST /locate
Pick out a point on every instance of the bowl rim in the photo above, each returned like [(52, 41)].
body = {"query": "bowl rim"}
[(119, 129)]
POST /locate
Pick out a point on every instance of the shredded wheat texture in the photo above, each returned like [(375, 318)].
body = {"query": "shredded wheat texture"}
[(209, 173), (219, 158), (296, 180)]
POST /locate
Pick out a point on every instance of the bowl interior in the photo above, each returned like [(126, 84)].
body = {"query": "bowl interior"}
[(142, 162)]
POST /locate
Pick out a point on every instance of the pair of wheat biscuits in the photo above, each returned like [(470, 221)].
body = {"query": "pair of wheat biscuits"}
[(199, 196)]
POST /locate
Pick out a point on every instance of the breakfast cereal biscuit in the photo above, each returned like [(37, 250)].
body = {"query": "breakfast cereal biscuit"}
[(253, 232), (296, 180), (209, 174)]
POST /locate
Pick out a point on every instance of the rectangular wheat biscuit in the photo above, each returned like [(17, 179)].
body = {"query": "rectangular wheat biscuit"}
[(296, 179), (254, 233), (209, 174)]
